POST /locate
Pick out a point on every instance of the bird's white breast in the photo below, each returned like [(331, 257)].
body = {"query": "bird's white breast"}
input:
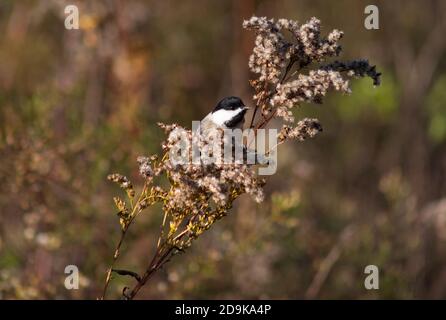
[(219, 117)]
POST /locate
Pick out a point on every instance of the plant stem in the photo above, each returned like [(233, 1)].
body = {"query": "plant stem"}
[(154, 265), (121, 240), (265, 121), (110, 269)]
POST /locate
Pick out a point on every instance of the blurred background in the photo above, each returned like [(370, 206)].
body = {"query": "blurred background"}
[(76, 105)]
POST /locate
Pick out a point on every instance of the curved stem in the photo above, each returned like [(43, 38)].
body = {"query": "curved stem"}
[(110, 269), (154, 265), (121, 240), (158, 261)]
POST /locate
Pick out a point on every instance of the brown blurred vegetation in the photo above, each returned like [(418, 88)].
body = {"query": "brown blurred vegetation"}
[(77, 105)]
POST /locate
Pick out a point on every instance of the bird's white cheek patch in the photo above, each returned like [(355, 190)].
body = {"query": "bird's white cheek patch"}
[(221, 116)]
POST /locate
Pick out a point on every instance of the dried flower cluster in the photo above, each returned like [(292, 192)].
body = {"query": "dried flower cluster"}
[(272, 52), (200, 193), (216, 180), (306, 128), (281, 62)]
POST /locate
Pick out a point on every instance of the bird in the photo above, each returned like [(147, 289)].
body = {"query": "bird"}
[(229, 113)]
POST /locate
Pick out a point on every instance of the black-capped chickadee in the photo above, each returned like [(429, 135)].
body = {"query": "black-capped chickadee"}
[(229, 113)]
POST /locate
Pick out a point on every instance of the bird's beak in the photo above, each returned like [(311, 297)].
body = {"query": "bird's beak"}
[(245, 108)]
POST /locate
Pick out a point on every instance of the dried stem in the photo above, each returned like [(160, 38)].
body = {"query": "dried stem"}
[(110, 269), (121, 240), (154, 265)]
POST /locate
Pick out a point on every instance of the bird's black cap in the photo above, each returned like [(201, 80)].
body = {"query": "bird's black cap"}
[(229, 103)]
